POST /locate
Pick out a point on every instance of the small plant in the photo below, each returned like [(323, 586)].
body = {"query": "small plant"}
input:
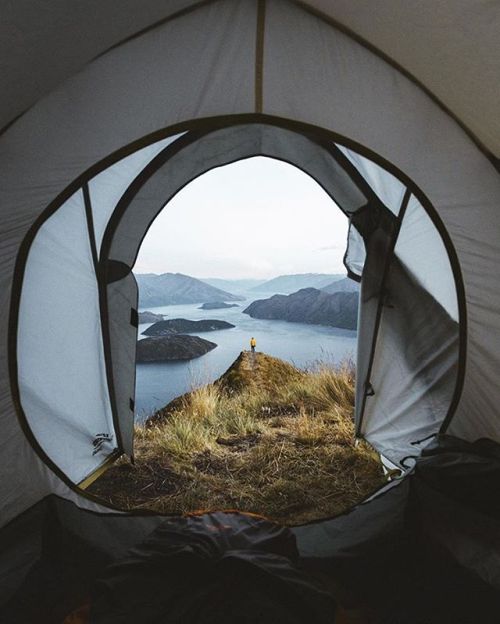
[(184, 436)]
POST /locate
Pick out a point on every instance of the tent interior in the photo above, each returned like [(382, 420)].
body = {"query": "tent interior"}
[(99, 144)]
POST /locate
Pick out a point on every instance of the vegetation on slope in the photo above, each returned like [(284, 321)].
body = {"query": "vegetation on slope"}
[(265, 438)]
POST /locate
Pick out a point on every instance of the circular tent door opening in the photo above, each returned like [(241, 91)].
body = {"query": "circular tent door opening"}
[(75, 331), (270, 431)]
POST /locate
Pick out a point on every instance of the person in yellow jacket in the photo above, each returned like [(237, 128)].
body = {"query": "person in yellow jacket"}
[(253, 344)]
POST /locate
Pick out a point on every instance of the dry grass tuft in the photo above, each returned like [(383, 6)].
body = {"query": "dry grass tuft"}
[(266, 438)]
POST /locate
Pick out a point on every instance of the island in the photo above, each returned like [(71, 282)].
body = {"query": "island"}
[(184, 326), (171, 348), (149, 317), (217, 305), (309, 305)]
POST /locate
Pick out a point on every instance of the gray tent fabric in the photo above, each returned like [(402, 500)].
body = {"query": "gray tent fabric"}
[(67, 399), (92, 95)]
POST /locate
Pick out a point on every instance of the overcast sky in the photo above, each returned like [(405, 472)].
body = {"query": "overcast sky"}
[(256, 218)]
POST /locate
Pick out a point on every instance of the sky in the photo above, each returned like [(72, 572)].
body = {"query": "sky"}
[(257, 218)]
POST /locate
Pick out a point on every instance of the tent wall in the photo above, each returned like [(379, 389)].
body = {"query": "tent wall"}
[(62, 377), (206, 63), (423, 253), (107, 187), (454, 51)]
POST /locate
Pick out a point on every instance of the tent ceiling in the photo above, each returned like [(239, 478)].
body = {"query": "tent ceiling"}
[(451, 48)]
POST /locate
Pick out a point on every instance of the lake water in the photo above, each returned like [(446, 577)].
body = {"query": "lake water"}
[(298, 343)]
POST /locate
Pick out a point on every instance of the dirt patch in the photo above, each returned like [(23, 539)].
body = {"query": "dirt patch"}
[(208, 463), (240, 443), (138, 483)]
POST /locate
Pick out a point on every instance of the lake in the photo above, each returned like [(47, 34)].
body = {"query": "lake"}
[(297, 343)]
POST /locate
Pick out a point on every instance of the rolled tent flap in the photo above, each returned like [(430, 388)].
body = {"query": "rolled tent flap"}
[(122, 296), (355, 254), (414, 373), (379, 248)]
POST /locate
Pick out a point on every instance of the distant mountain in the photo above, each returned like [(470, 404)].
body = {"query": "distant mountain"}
[(185, 326), (342, 285), (309, 305), (232, 285), (287, 284), (176, 288), (173, 347)]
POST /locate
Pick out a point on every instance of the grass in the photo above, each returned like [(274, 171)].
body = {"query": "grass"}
[(265, 438)]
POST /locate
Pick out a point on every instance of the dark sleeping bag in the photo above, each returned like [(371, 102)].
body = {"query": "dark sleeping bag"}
[(212, 568)]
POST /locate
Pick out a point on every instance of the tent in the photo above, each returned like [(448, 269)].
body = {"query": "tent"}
[(110, 108)]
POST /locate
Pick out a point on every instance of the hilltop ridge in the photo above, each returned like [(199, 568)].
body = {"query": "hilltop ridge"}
[(266, 438)]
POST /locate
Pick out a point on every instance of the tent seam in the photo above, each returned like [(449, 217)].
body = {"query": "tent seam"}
[(259, 55)]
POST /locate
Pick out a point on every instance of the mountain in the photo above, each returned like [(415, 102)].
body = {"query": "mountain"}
[(309, 305), (342, 285), (173, 347), (287, 284), (237, 285), (176, 288), (184, 326)]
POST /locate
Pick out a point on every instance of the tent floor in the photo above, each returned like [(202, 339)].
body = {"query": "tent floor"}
[(416, 583)]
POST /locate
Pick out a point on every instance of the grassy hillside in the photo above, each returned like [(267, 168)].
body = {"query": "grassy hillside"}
[(265, 438)]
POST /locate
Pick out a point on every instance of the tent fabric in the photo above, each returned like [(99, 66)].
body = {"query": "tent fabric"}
[(107, 187), (68, 399), (462, 36), (421, 250), (414, 372), (221, 146), (87, 87)]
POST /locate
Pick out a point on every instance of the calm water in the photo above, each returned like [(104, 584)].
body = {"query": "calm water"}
[(298, 343)]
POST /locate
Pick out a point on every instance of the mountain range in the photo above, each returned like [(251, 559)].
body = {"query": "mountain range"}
[(231, 285), (176, 288), (287, 284)]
